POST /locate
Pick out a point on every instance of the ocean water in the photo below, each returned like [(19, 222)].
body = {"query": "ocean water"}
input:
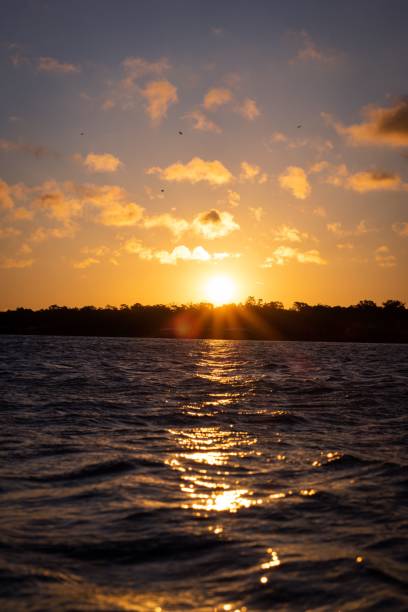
[(202, 475)]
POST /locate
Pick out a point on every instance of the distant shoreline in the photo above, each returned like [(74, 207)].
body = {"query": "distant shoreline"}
[(364, 322)]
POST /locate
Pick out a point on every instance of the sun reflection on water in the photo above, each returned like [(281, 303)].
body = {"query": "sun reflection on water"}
[(208, 462)]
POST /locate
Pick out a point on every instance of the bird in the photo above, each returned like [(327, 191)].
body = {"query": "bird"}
[(299, 126), (162, 190), (81, 134), (180, 133)]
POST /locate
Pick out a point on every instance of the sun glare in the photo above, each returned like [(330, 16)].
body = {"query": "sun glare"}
[(220, 290)]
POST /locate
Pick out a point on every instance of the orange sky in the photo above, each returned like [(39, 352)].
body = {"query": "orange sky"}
[(140, 160)]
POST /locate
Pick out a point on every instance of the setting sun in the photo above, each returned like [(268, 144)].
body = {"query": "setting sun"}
[(220, 290)]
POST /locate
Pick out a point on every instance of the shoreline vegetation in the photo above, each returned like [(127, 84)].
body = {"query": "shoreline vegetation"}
[(253, 320)]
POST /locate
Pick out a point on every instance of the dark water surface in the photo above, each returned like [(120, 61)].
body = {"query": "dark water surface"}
[(202, 475)]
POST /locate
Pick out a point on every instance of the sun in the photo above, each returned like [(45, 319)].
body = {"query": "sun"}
[(220, 290)]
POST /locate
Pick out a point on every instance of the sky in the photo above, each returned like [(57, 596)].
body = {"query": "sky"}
[(149, 147)]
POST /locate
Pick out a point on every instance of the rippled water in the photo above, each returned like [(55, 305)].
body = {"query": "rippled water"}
[(202, 475)]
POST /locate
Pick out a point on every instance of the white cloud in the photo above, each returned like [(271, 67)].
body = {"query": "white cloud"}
[(179, 253)]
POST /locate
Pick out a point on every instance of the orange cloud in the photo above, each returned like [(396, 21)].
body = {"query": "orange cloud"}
[(295, 180), (103, 162), (382, 126), (249, 109), (252, 172), (375, 181), (37, 151), (9, 263), (384, 258), (50, 64), (137, 67), (216, 97), (214, 224), (284, 254), (400, 228), (195, 171), (289, 234), (202, 123), (159, 96), (310, 52)]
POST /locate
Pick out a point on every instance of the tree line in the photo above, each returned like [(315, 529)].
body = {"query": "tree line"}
[(255, 319)]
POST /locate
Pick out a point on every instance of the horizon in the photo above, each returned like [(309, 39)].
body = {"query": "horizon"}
[(187, 152)]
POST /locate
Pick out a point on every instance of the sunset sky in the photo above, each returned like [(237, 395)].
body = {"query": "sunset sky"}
[(148, 146)]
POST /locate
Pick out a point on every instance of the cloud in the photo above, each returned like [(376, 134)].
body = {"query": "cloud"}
[(113, 204), (179, 253), (284, 254), (203, 123), (43, 233), (248, 109), (295, 180), (361, 228), (214, 224), (279, 137), (364, 181), (159, 95), (36, 151), (85, 263), (102, 162), (375, 181), (137, 67), (384, 258), (6, 200), (257, 213), (50, 64), (9, 232), (175, 225), (216, 97), (400, 228), (309, 52), (252, 172), (289, 234), (345, 246), (381, 126), (195, 171), (57, 204), (233, 198), (217, 31), (9, 263)]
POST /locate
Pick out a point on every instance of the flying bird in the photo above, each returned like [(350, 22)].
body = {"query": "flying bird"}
[(81, 134), (162, 190), (299, 126), (180, 133)]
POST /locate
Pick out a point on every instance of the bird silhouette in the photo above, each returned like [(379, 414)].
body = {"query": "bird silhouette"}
[(180, 133)]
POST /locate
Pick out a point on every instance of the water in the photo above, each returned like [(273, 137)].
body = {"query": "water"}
[(202, 475)]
